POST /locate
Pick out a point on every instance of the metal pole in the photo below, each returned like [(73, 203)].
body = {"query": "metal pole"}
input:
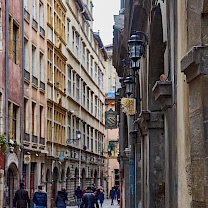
[(22, 119), (132, 152)]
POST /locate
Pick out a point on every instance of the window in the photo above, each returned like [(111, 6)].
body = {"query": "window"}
[(15, 42), (69, 79), (88, 137), (77, 46), (41, 15), (34, 9), (69, 128), (91, 102), (91, 139), (73, 38), (88, 61), (83, 54), (25, 114), (41, 122), (99, 76), (14, 121), (26, 54), (91, 65), (68, 31), (33, 60), (77, 89), (88, 98), (33, 117), (83, 130), (74, 84), (96, 106), (96, 73), (83, 94), (41, 67)]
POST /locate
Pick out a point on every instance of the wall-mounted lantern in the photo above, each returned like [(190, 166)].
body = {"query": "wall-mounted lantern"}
[(129, 82)]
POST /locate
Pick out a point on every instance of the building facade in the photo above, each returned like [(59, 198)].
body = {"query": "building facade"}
[(51, 97), (112, 144), (164, 140)]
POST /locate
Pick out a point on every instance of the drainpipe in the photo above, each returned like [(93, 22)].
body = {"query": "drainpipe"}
[(132, 151), (22, 120), (6, 94)]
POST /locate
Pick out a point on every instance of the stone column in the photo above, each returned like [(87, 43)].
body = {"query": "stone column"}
[(195, 66), (152, 144)]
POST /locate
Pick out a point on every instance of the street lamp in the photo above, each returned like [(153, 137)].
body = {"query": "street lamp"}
[(137, 46), (129, 82)]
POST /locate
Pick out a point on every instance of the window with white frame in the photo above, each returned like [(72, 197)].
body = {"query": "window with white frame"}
[(96, 73), (41, 67), (41, 15), (69, 71), (99, 77), (98, 109), (73, 38), (34, 12), (91, 102), (88, 98), (74, 84), (96, 106), (77, 89), (68, 31), (77, 46), (88, 61), (88, 136), (33, 60), (91, 65), (84, 139), (92, 140), (77, 128), (83, 54), (84, 94), (73, 127)]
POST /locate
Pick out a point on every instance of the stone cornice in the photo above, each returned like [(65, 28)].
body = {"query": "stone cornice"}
[(149, 120), (195, 62), (163, 93)]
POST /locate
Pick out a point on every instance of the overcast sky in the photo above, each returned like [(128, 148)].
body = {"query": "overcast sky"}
[(103, 12)]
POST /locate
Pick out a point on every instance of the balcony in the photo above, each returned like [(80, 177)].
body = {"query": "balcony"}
[(42, 32), (35, 24), (42, 140), (26, 15), (34, 81), (34, 139), (42, 86), (26, 76)]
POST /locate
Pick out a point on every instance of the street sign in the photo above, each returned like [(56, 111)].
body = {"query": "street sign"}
[(110, 119)]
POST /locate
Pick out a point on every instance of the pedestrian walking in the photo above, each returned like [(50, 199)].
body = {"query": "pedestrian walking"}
[(21, 198), (61, 198), (78, 195), (112, 195), (101, 196), (40, 198), (118, 195), (88, 199)]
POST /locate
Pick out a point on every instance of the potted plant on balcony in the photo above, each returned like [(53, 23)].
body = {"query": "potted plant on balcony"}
[(11, 143)]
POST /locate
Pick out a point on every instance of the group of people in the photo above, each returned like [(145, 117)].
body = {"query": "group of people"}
[(21, 198), (89, 197)]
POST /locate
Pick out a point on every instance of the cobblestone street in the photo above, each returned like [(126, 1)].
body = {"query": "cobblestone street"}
[(106, 204)]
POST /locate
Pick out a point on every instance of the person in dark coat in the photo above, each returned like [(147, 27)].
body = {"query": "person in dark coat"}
[(21, 198), (101, 196), (112, 195), (88, 199), (40, 198), (118, 195), (78, 194), (61, 199)]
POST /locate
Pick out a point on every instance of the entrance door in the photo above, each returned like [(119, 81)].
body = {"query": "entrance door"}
[(10, 184)]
